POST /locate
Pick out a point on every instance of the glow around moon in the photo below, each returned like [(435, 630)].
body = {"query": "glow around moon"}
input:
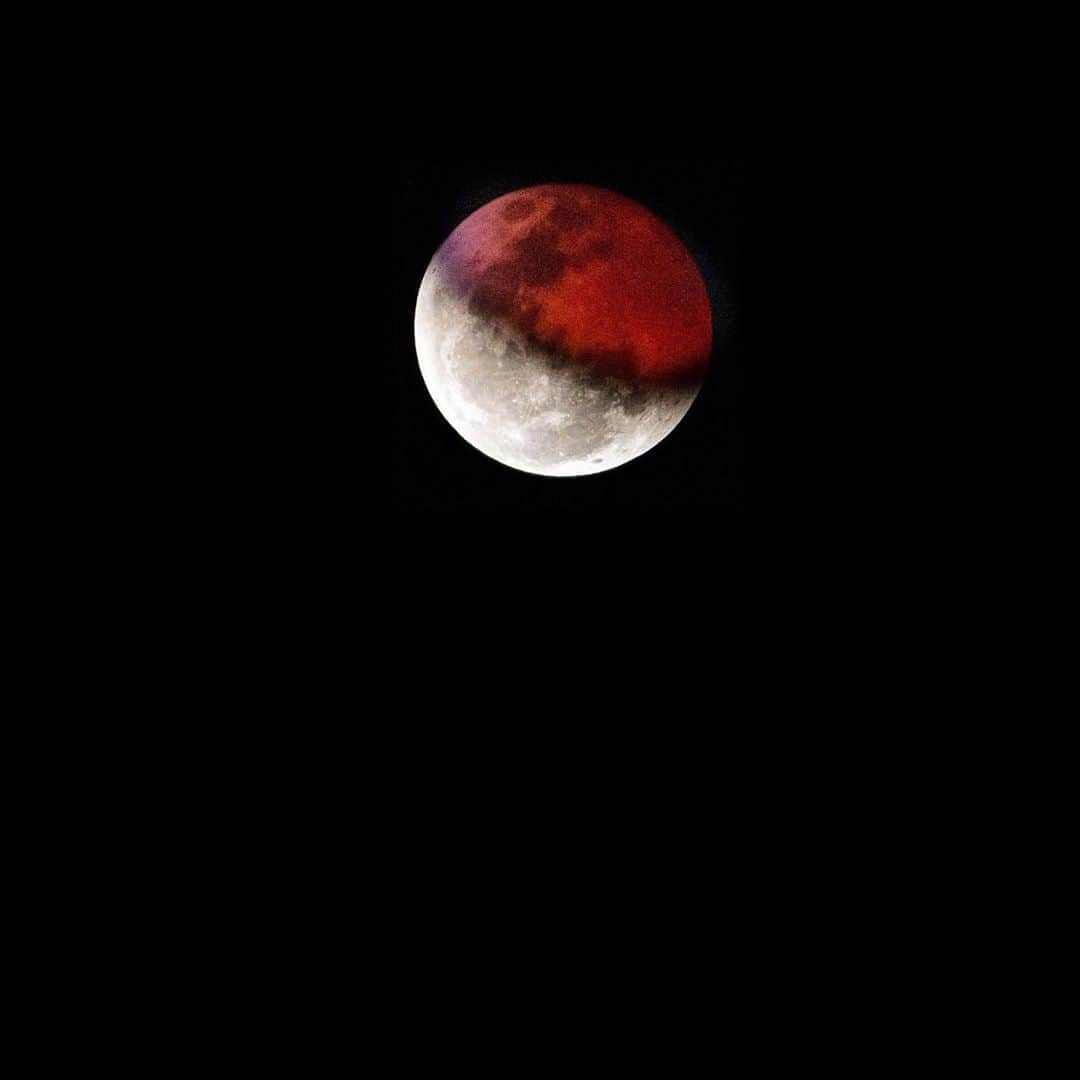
[(562, 330)]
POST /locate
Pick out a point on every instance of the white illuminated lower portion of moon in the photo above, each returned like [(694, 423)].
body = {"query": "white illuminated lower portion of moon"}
[(526, 407)]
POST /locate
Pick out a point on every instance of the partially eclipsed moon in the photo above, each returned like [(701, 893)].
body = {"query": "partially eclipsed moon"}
[(563, 330)]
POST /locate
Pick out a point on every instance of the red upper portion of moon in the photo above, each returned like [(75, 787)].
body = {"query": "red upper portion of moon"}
[(589, 274)]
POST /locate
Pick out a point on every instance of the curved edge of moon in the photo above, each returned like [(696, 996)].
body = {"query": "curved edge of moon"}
[(527, 409)]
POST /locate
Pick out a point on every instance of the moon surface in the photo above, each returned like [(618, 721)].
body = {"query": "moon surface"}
[(563, 330)]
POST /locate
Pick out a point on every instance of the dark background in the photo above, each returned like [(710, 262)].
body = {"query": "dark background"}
[(699, 466)]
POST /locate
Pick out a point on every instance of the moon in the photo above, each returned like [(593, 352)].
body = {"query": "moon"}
[(563, 330)]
